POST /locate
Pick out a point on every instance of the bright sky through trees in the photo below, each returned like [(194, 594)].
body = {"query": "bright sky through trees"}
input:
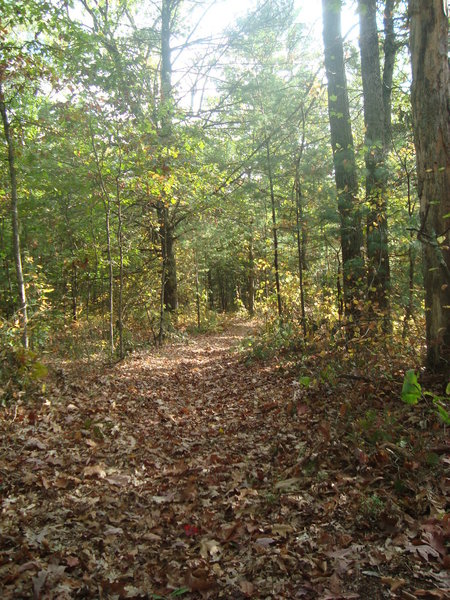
[(224, 12), (212, 23)]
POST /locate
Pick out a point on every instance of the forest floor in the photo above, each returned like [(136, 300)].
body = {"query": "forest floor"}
[(191, 472)]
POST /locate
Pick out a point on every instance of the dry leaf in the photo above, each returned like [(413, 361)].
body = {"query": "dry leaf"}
[(94, 471)]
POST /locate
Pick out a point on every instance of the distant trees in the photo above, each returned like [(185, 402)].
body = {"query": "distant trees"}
[(430, 88)]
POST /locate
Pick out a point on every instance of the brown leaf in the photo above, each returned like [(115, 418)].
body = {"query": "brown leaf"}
[(72, 561), (94, 471), (35, 444), (265, 541), (38, 584), (200, 581), (423, 550), (393, 583), (247, 588)]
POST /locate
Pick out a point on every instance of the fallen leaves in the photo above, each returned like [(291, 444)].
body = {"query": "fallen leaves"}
[(187, 473)]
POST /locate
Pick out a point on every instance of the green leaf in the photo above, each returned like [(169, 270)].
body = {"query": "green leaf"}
[(445, 417), (411, 390), (447, 389), (304, 381), (180, 591)]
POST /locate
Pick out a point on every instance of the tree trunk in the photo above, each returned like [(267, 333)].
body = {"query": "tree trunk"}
[(110, 274), (376, 175), (120, 242), (74, 290), (15, 219), (344, 158), (170, 295), (274, 233), (197, 295), (300, 247), (411, 259), (390, 51), (210, 291), (251, 276), (430, 85)]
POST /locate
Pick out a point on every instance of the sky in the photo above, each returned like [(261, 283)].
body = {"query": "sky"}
[(224, 13)]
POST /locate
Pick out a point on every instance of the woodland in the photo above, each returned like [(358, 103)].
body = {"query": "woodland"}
[(224, 299)]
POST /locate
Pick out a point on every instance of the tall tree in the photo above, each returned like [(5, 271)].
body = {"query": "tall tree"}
[(430, 85), (14, 214), (390, 50), (343, 157), (166, 224), (376, 174)]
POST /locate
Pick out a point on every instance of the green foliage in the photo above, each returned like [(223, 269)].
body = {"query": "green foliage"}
[(377, 426), (86, 114), (273, 339), (411, 390), (412, 393), (21, 370)]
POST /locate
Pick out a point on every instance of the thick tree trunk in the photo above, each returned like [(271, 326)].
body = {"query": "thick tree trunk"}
[(170, 294), (15, 219), (344, 158), (376, 174), (430, 87), (169, 281)]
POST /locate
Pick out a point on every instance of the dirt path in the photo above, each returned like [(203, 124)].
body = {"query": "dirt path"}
[(187, 472)]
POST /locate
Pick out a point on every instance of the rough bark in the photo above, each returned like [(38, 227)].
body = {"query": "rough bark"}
[(344, 158), (166, 229), (430, 87), (376, 174), (15, 219)]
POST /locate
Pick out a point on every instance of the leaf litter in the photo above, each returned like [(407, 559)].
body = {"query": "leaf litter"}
[(190, 472)]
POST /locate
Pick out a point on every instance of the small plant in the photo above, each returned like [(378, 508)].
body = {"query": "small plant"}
[(372, 506), (377, 427), (412, 393)]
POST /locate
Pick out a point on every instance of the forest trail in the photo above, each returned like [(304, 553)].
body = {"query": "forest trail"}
[(190, 472)]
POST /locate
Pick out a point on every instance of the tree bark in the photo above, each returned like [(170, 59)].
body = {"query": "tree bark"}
[(121, 270), (251, 276), (170, 293), (376, 174), (390, 51), (344, 159), (15, 219), (430, 87), (274, 233)]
